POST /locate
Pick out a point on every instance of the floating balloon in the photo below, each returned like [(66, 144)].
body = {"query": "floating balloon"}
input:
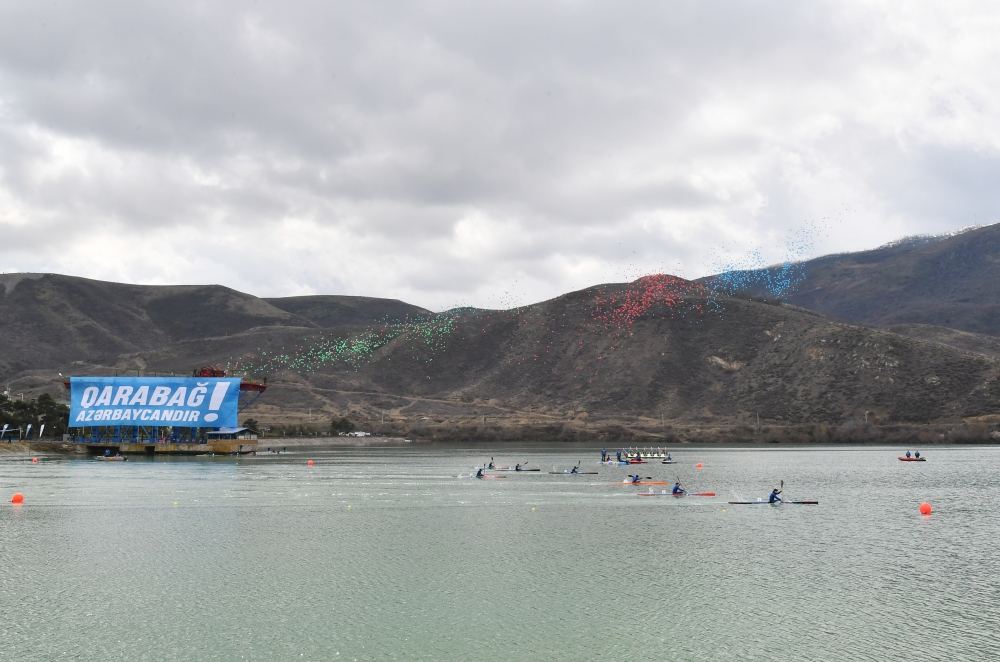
[(310, 463), (750, 273), (18, 498), (661, 293), (352, 350), (925, 508)]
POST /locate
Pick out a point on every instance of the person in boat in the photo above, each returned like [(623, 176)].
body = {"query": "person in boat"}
[(678, 489), (491, 464), (517, 467), (907, 453), (669, 459), (479, 472), (774, 498), (916, 454), (635, 478), (575, 469)]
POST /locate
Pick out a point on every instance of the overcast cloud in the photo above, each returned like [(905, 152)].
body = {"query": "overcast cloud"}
[(456, 153)]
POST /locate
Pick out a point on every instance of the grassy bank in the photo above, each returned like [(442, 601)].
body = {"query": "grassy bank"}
[(639, 433)]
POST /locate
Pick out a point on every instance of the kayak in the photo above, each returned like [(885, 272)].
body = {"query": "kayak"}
[(807, 502), (567, 472), (513, 469), (637, 462), (646, 482), (484, 477), (903, 458), (665, 493), (622, 462), (668, 462)]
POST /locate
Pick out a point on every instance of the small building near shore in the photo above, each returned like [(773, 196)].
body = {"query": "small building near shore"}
[(242, 434)]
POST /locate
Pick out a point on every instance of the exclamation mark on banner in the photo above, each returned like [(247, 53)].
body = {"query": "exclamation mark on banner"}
[(215, 402)]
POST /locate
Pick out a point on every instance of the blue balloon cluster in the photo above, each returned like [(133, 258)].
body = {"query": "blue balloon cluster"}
[(775, 282)]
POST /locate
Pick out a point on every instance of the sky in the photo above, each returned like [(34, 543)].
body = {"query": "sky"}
[(484, 153)]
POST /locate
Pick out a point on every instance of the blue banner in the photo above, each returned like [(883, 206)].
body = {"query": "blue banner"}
[(184, 402)]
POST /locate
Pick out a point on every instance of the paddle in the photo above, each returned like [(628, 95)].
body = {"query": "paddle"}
[(679, 480), (629, 482)]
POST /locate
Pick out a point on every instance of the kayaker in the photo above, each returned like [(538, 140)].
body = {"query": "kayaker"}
[(916, 454), (635, 478), (678, 489), (774, 498), (517, 467), (479, 472), (491, 464), (668, 456), (907, 453)]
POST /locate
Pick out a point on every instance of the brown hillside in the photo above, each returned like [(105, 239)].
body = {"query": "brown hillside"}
[(329, 311), (658, 350), (949, 281)]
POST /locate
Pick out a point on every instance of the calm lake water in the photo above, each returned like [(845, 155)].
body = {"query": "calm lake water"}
[(383, 554)]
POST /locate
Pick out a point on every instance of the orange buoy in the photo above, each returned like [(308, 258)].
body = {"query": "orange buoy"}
[(925, 508), (34, 460), (699, 465), (18, 498), (309, 463)]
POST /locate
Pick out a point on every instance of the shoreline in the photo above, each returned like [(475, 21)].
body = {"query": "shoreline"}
[(331, 443), (340, 442), (368, 442)]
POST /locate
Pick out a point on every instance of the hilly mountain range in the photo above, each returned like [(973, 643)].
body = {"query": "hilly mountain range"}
[(659, 358), (951, 282)]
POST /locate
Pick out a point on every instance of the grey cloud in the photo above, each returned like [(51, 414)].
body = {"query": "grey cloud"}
[(575, 132)]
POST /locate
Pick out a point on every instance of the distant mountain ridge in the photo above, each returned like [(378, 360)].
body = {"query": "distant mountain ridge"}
[(50, 320), (332, 311), (672, 355), (950, 281)]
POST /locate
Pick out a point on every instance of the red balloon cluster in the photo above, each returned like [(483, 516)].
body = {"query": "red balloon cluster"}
[(641, 296)]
